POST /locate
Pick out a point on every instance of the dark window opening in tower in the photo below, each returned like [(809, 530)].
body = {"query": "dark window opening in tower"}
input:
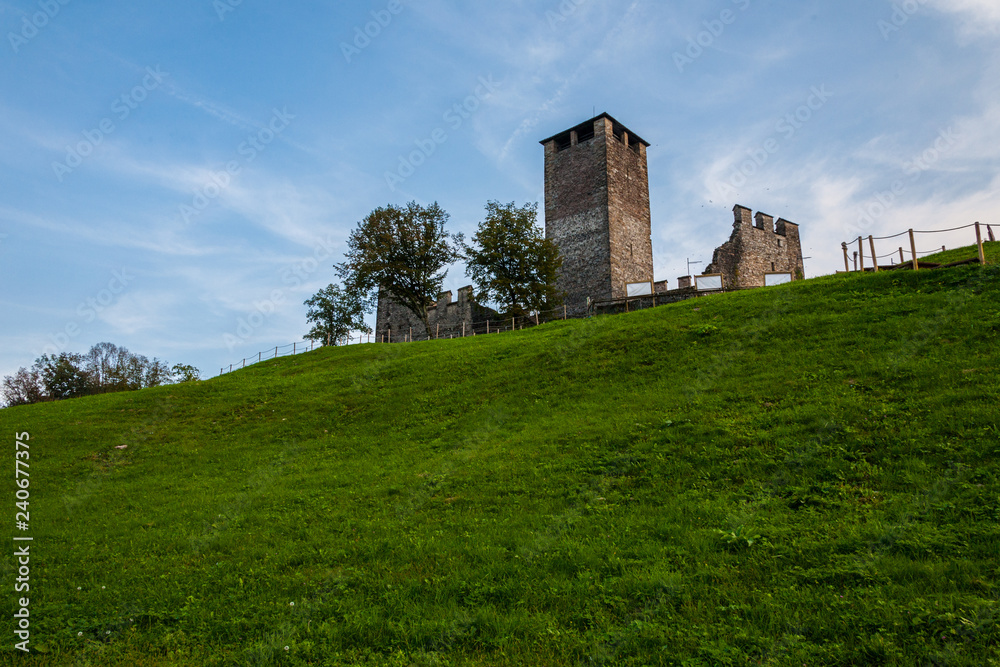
[(563, 141), (584, 133), (618, 131)]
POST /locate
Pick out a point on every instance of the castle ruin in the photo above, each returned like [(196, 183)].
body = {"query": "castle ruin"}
[(758, 247), (597, 213), (447, 318)]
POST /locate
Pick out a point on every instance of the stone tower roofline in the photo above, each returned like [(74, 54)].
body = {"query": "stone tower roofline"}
[(587, 127), (761, 221)]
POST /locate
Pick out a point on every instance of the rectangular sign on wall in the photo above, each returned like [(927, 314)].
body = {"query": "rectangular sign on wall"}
[(639, 289), (771, 279), (709, 282)]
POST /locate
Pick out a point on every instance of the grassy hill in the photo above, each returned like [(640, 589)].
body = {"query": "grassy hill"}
[(801, 475)]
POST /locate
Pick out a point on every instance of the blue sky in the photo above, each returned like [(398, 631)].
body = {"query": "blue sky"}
[(170, 170)]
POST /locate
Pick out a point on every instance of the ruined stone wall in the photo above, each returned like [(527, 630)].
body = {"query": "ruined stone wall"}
[(394, 321), (758, 246)]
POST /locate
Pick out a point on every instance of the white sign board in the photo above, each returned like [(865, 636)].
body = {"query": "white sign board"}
[(639, 289), (710, 282), (772, 279)]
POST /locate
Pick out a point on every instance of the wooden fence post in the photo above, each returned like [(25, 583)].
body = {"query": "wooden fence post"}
[(913, 249), (902, 258), (847, 262), (259, 356), (861, 253), (244, 363), (536, 318), (564, 311), (871, 242), (463, 328), (979, 242), (275, 351), (487, 327), (513, 324), (438, 334), (230, 368)]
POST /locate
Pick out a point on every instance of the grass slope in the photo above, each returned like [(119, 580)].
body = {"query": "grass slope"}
[(806, 474)]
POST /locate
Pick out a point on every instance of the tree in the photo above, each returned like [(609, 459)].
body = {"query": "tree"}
[(402, 254), (185, 373), (23, 388), (511, 262), (105, 368), (63, 375), (335, 313)]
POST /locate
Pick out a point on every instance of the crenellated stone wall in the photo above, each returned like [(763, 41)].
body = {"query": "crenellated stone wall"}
[(393, 322), (757, 246)]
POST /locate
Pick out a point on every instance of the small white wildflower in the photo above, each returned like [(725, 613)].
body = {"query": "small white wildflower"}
[(291, 604), (79, 588), (79, 634), (103, 587), (286, 648)]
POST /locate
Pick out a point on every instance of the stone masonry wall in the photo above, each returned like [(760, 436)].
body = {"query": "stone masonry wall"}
[(629, 217), (597, 212), (576, 219), (758, 246), (394, 321)]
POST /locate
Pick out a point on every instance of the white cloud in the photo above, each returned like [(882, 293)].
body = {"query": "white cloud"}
[(978, 16)]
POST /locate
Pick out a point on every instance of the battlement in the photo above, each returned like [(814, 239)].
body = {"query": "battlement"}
[(445, 299), (758, 246)]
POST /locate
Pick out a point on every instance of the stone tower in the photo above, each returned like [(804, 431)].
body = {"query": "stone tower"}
[(597, 210)]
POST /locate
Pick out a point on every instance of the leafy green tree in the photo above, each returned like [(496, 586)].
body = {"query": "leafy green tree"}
[(335, 313), (402, 254), (64, 375), (511, 262), (185, 373)]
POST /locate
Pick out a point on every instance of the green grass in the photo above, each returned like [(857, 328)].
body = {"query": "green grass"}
[(991, 250), (800, 475)]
